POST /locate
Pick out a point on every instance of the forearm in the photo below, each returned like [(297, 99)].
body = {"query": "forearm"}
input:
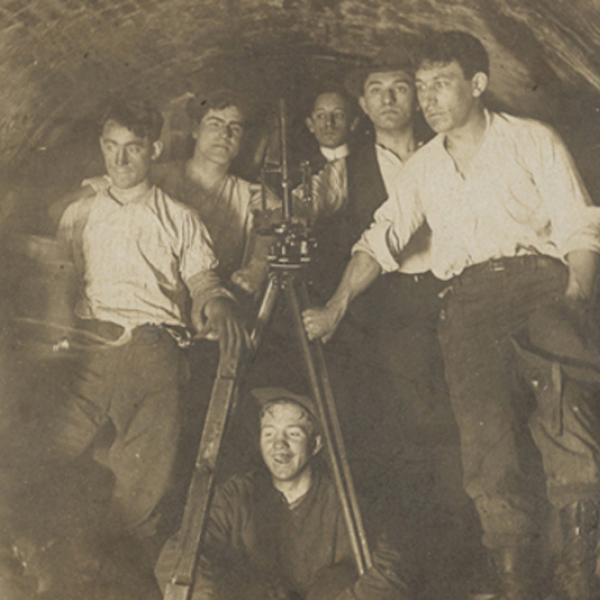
[(205, 288), (360, 273), (583, 271)]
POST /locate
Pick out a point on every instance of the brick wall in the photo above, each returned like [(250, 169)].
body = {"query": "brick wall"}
[(59, 57)]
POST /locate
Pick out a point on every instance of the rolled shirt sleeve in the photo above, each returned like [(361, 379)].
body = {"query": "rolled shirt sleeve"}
[(198, 264), (575, 221), (394, 223)]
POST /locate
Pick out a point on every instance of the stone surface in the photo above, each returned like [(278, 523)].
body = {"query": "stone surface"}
[(61, 57)]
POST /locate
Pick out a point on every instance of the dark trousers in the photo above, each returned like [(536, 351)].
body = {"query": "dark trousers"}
[(128, 395), (502, 470), (409, 357)]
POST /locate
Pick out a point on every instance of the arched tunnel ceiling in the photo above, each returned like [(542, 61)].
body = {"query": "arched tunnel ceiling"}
[(61, 56)]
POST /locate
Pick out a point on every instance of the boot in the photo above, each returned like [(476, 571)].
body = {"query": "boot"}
[(574, 577), (517, 573)]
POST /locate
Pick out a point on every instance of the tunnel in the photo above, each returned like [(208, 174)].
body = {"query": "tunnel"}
[(62, 59)]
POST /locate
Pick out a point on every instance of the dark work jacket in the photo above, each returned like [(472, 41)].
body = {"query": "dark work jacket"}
[(253, 534)]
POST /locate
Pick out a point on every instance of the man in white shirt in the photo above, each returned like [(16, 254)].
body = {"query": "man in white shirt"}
[(142, 258), (513, 230)]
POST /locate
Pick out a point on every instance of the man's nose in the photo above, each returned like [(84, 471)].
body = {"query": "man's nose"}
[(226, 132), (280, 442), (426, 97), (329, 121), (121, 157), (389, 96)]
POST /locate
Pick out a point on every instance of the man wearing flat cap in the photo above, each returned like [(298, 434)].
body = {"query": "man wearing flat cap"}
[(278, 532)]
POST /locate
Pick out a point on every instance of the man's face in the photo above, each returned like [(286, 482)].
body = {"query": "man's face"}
[(446, 97), (389, 100), (330, 121), (219, 134), (126, 155), (286, 440)]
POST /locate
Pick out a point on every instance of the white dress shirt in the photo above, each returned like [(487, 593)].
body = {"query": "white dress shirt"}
[(334, 153), (522, 194)]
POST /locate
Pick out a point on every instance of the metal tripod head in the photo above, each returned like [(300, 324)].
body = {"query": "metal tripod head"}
[(293, 243)]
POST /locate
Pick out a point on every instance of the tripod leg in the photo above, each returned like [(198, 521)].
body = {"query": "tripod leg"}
[(267, 306), (318, 380), (202, 485), (336, 430), (222, 402)]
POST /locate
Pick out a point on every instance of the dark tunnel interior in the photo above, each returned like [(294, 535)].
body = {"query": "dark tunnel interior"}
[(61, 60)]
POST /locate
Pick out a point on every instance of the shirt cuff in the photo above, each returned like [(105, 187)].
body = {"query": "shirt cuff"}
[(374, 243)]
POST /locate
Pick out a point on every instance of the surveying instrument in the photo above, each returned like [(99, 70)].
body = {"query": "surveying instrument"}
[(289, 257)]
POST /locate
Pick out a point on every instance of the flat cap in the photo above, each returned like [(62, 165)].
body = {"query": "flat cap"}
[(266, 395)]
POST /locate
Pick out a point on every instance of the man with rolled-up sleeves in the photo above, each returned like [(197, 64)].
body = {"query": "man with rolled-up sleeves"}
[(513, 231), (148, 276)]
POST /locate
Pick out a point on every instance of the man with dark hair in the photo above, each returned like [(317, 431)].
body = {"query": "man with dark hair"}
[(224, 201), (278, 533), (140, 116), (392, 342), (513, 231), (138, 253), (331, 121)]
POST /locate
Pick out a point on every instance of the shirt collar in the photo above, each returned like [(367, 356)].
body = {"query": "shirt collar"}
[(335, 153), (131, 195), (390, 155), (440, 138)]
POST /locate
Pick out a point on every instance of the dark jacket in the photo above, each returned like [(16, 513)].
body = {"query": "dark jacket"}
[(253, 534)]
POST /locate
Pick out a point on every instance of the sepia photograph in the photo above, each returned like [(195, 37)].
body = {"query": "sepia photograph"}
[(298, 300)]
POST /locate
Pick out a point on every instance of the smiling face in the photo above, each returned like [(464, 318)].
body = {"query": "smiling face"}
[(389, 100), (127, 156), (330, 120), (287, 440), (219, 135), (447, 98)]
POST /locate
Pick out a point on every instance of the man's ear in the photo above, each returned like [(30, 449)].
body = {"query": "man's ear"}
[(479, 84), (354, 124), (157, 148), (309, 125), (362, 104), (318, 444)]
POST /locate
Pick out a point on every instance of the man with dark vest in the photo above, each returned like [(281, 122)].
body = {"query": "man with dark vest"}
[(399, 357)]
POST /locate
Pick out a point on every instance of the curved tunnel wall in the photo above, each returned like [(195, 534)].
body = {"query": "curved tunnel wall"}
[(61, 57)]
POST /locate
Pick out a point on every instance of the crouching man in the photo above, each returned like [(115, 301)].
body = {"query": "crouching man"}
[(278, 532)]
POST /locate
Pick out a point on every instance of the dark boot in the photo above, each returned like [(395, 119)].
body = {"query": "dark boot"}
[(575, 572), (518, 573)]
